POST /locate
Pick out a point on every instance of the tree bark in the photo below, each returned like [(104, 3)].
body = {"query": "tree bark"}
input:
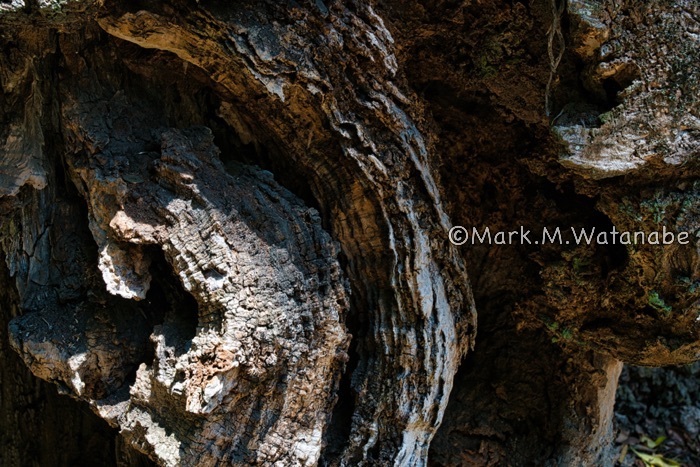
[(225, 227)]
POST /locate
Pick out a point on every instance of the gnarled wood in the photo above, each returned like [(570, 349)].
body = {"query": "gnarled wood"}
[(215, 312)]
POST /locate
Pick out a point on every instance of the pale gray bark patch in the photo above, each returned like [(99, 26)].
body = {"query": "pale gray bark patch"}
[(644, 56)]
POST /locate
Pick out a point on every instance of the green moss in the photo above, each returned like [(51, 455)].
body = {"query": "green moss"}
[(490, 59), (565, 334), (658, 303), (605, 117), (657, 206), (629, 211), (581, 265)]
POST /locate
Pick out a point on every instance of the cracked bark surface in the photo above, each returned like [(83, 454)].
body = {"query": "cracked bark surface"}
[(225, 226)]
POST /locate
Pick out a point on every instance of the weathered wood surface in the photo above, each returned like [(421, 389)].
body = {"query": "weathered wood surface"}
[(224, 226)]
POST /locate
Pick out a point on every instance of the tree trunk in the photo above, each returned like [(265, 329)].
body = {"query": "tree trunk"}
[(225, 228)]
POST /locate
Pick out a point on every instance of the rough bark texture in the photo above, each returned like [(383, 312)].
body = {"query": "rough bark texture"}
[(225, 226)]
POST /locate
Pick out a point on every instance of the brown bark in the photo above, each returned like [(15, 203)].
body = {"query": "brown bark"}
[(225, 227)]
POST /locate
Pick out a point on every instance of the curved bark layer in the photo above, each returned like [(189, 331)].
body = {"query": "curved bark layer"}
[(366, 164), (208, 312), (251, 53)]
